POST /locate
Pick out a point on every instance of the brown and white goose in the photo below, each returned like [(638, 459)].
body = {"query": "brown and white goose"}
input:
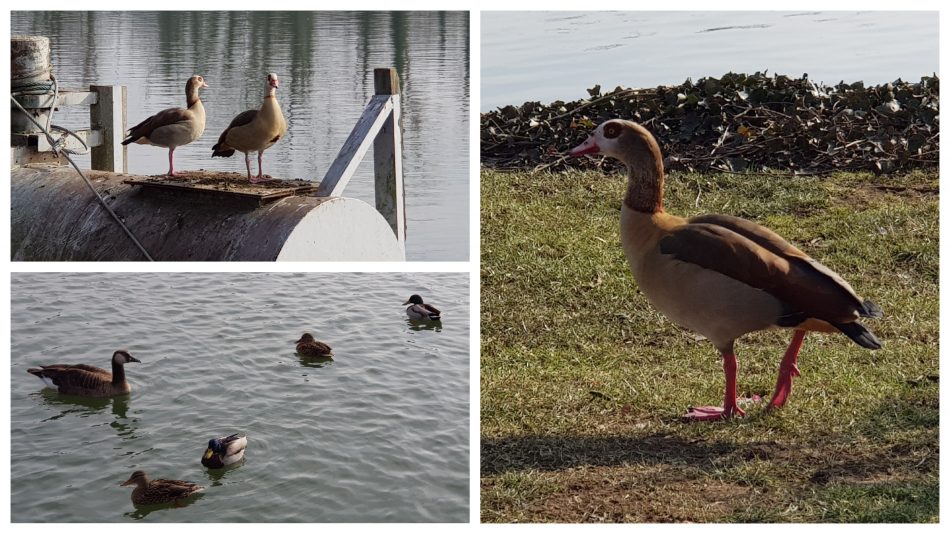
[(722, 276), (86, 380), (173, 127), (254, 131)]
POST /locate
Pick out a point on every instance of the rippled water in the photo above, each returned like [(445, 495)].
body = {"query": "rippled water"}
[(379, 434), (325, 63), (547, 56)]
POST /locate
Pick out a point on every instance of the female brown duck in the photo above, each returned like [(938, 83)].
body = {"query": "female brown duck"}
[(722, 276), (308, 346), (159, 491)]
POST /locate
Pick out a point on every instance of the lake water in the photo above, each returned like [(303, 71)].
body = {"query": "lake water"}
[(325, 63), (547, 56), (381, 433)]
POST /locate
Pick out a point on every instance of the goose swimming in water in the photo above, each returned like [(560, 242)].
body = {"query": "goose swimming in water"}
[(87, 380)]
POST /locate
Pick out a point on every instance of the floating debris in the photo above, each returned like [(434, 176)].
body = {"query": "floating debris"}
[(736, 123)]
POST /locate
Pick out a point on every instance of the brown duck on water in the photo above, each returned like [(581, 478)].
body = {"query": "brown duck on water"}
[(159, 491), (308, 346), (86, 380)]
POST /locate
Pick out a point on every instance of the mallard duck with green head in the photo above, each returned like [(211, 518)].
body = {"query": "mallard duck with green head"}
[(224, 451), (420, 311)]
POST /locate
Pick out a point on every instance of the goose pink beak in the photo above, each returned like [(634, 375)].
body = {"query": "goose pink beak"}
[(587, 147)]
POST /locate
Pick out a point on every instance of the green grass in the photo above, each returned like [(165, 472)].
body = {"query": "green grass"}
[(583, 383)]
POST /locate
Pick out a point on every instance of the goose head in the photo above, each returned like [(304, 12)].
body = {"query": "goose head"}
[(623, 140), (194, 84), (122, 357)]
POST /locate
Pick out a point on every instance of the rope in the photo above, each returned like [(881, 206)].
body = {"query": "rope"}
[(57, 148)]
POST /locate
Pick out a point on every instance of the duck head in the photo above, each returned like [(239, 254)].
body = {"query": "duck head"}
[(306, 338), (414, 299), (138, 478)]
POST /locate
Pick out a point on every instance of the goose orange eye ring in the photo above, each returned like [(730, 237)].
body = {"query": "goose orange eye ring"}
[(611, 130)]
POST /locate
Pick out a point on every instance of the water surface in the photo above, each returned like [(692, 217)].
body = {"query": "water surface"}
[(546, 56), (381, 433), (325, 63)]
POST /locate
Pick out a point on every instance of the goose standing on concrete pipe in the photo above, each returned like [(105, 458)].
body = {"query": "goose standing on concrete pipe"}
[(254, 131), (722, 276), (173, 127)]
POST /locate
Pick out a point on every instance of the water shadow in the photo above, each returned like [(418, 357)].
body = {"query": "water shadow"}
[(314, 362), (79, 406), (418, 325), (216, 476), (140, 512)]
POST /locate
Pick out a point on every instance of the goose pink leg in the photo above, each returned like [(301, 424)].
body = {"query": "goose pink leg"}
[(247, 161), (260, 170), (171, 162), (787, 370), (730, 406)]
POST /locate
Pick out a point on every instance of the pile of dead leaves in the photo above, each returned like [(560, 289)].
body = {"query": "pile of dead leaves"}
[(735, 123)]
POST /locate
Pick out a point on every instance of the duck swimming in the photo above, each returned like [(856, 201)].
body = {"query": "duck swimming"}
[(421, 311), (224, 451), (308, 346), (159, 491)]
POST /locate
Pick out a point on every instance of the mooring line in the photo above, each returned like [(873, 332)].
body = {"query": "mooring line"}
[(56, 145)]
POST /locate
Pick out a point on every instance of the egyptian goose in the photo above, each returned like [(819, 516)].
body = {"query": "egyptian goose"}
[(173, 127), (224, 451), (308, 346), (86, 380), (159, 491), (254, 131), (420, 311), (722, 276)]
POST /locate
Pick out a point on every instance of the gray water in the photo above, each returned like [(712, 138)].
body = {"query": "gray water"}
[(381, 433), (547, 56), (325, 63)]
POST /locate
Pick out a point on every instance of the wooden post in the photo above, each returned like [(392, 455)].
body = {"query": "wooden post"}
[(109, 116), (387, 157), (30, 62)]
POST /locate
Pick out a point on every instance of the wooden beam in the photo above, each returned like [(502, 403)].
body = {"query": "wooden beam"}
[(93, 139), (355, 147), (387, 158), (109, 117), (66, 98)]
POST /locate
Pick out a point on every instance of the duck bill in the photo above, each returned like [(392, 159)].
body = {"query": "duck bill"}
[(407, 302), (208, 454), (587, 147), (128, 482)]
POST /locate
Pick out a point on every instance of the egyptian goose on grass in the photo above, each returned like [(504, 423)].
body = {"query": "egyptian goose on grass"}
[(722, 276), (254, 131), (86, 380), (173, 127)]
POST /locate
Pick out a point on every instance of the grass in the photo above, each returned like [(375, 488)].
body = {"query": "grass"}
[(583, 383)]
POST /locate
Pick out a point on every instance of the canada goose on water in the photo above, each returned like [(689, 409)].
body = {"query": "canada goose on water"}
[(86, 380)]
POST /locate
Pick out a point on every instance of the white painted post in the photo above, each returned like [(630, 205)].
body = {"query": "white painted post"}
[(387, 157), (109, 116)]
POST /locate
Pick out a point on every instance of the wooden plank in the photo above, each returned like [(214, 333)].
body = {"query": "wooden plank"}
[(263, 195), (66, 98), (355, 147), (109, 116), (387, 158), (93, 138)]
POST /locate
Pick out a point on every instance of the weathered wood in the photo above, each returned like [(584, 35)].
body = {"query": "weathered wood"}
[(30, 60), (66, 98), (356, 145), (24, 154), (93, 138), (109, 116), (387, 158)]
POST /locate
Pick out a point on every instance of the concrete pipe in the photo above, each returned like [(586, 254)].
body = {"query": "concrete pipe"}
[(55, 218)]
